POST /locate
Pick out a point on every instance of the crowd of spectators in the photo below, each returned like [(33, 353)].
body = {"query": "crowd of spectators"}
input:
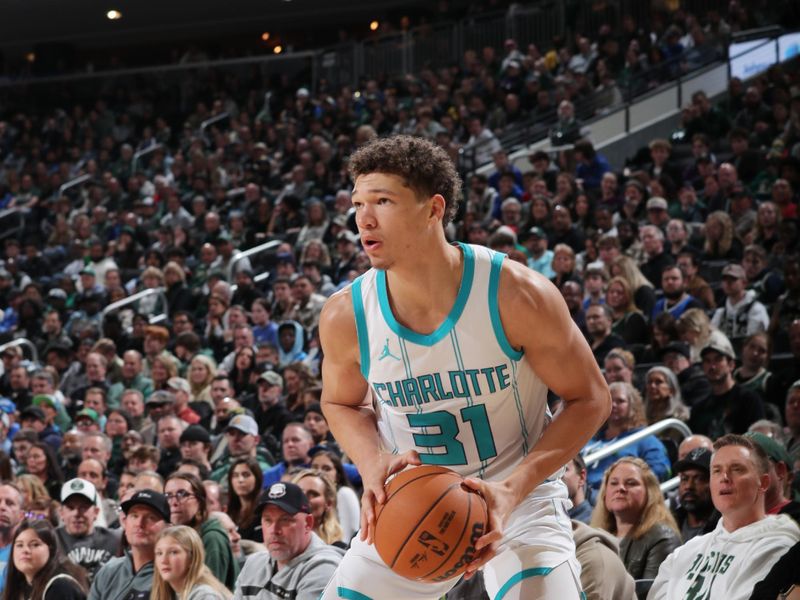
[(680, 268)]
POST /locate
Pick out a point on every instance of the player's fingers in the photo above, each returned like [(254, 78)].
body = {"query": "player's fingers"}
[(367, 515), (492, 538), (476, 485)]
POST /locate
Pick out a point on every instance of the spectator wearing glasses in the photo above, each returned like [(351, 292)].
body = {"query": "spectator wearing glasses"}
[(186, 497)]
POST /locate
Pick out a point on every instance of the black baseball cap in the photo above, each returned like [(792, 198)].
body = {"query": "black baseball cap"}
[(32, 412), (681, 348), (150, 498), (699, 458), (289, 497), (195, 433)]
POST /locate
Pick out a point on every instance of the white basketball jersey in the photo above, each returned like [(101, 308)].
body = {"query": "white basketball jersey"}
[(462, 396)]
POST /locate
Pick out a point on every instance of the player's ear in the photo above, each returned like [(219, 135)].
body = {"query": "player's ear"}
[(438, 207)]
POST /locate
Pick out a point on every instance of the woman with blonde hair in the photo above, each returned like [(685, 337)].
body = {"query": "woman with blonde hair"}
[(563, 265), (315, 250), (151, 278), (180, 571), (321, 494), (721, 242), (162, 369), (644, 297), (629, 323), (694, 328), (631, 507), (626, 418), (202, 370)]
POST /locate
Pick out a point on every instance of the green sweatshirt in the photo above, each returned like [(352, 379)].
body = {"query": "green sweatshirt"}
[(219, 556)]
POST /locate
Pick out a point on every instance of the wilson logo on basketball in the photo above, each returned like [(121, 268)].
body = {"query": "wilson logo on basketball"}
[(433, 543), (467, 556)]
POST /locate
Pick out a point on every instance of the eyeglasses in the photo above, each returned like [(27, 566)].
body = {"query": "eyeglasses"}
[(180, 496)]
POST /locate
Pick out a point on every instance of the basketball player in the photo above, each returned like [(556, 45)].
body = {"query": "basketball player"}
[(443, 354)]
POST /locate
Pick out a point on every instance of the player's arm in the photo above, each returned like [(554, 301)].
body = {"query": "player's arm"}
[(347, 406), (535, 318)]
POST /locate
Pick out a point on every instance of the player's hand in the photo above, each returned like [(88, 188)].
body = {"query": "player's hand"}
[(374, 478), (500, 502)]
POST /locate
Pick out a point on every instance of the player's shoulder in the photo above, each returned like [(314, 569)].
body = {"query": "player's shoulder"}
[(521, 287), (338, 309)]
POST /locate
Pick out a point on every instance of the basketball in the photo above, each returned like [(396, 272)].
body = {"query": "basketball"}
[(427, 528)]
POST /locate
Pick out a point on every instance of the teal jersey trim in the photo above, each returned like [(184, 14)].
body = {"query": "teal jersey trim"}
[(537, 572), (361, 326), (494, 309), (452, 318), (349, 594)]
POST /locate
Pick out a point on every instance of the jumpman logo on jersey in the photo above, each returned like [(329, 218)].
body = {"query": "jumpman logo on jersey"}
[(387, 353)]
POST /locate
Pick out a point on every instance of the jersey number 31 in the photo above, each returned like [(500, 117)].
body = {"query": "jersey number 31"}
[(447, 435)]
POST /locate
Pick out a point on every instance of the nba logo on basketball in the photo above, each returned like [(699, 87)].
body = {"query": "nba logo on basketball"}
[(430, 541)]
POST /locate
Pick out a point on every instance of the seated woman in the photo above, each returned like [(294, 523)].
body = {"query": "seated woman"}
[(631, 506), (321, 494), (644, 296), (38, 568), (663, 396), (180, 570), (694, 328), (188, 506), (626, 418), (629, 322)]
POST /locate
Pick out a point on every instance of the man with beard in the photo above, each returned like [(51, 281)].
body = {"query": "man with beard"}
[(731, 408), (69, 453), (598, 322), (11, 516), (85, 544), (695, 514), (675, 300)]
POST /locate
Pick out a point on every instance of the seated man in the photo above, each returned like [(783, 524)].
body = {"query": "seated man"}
[(728, 562), (130, 577), (695, 515), (298, 563), (85, 543)]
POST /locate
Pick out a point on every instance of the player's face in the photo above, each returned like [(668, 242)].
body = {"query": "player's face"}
[(390, 218), (735, 481)]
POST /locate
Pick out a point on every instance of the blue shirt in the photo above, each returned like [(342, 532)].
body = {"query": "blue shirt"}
[(543, 264), (649, 449), (5, 556)]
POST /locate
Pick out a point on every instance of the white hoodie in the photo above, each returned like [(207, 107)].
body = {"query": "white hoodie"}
[(725, 565), (734, 321)]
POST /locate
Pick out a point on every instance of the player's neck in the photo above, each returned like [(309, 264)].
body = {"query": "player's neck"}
[(427, 286)]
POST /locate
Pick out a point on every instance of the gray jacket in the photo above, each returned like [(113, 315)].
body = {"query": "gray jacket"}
[(205, 592), (642, 557), (304, 578), (117, 581)]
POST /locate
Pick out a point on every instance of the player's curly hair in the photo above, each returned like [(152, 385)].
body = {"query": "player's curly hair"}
[(425, 167)]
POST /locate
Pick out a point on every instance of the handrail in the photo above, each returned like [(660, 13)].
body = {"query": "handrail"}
[(670, 484), (257, 279), (256, 250), (653, 429), (73, 182), (135, 298), (141, 153), (22, 342), (7, 231), (212, 120)]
